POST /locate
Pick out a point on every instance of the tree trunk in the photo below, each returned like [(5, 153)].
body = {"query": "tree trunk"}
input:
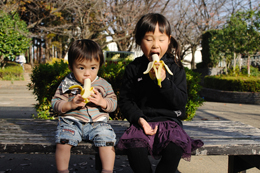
[(47, 51), (248, 65), (193, 50), (35, 54), (240, 61), (60, 48), (226, 68), (234, 64), (39, 54), (31, 55), (2, 61)]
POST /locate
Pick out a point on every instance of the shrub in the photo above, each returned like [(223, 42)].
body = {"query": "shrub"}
[(113, 72), (55, 60), (234, 72), (233, 83), (193, 88), (253, 71), (47, 77)]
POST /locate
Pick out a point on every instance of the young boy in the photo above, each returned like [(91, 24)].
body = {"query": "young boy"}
[(80, 121)]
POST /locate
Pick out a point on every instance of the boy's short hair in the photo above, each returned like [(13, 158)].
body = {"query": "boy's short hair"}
[(85, 49)]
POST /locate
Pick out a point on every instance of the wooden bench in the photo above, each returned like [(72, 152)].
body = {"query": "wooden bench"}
[(239, 141)]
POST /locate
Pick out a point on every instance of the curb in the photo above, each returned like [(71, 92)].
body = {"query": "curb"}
[(230, 96)]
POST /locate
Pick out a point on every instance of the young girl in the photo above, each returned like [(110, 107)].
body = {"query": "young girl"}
[(80, 121), (154, 111)]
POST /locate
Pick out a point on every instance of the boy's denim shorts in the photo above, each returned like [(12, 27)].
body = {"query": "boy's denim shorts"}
[(73, 131)]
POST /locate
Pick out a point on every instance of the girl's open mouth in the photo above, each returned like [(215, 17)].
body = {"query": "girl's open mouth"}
[(154, 53)]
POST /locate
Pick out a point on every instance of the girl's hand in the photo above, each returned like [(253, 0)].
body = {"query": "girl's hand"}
[(148, 130), (97, 99)]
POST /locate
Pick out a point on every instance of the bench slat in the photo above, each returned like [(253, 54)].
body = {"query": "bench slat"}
[(220, 137)]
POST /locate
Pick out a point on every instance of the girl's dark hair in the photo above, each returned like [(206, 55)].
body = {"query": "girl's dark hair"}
[(85, 49), (147, 23)]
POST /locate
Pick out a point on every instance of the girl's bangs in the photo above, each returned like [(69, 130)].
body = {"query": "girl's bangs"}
[(162, 27), (152, 26)]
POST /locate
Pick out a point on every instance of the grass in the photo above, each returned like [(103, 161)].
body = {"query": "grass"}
[(12, 72)]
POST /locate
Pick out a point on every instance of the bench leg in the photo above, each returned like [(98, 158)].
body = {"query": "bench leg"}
[(98, 164), (240, 163)]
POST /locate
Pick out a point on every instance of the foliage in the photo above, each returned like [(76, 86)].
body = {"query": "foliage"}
[(240, 83), (193, 88), (113, 72), (45, 79), (239, 36), (13, 40), (12, 72), (254, 71), (208, 60), (115, 55), (54, 60)]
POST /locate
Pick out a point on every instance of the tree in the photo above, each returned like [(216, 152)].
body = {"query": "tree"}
[(222, 46), (192, 18), (241, 35), (13, 36), (88, 19), (122, 17), (47, 22), (250, 38)]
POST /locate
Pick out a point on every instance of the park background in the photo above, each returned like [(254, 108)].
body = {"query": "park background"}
[(207, 30), (219, 42)]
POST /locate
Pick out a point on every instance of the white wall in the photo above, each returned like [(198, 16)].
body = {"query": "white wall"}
[(188, 57), (113, 47)]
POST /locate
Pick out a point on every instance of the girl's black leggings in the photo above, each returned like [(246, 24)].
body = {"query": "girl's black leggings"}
[(140, 163)]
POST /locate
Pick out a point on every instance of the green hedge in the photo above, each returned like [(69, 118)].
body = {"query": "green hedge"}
[(232, 83), (46, 78), (113, 72), (193, 88)]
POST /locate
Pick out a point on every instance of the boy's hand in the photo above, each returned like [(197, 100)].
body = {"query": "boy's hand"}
[(148, 130), (77, 101), (97, 99)]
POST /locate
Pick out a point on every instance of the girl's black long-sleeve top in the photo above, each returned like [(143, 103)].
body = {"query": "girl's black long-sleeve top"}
[(140, 96)]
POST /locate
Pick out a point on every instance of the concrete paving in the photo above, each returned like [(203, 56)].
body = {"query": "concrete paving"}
[(16, 101)]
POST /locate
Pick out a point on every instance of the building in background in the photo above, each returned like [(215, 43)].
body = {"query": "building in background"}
[(138, 52)]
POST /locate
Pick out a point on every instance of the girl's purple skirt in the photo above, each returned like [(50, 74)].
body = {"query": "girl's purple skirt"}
[(168, 131)]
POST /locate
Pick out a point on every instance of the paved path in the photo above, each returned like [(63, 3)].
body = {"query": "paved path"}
[(17, 101), (215, 111)]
